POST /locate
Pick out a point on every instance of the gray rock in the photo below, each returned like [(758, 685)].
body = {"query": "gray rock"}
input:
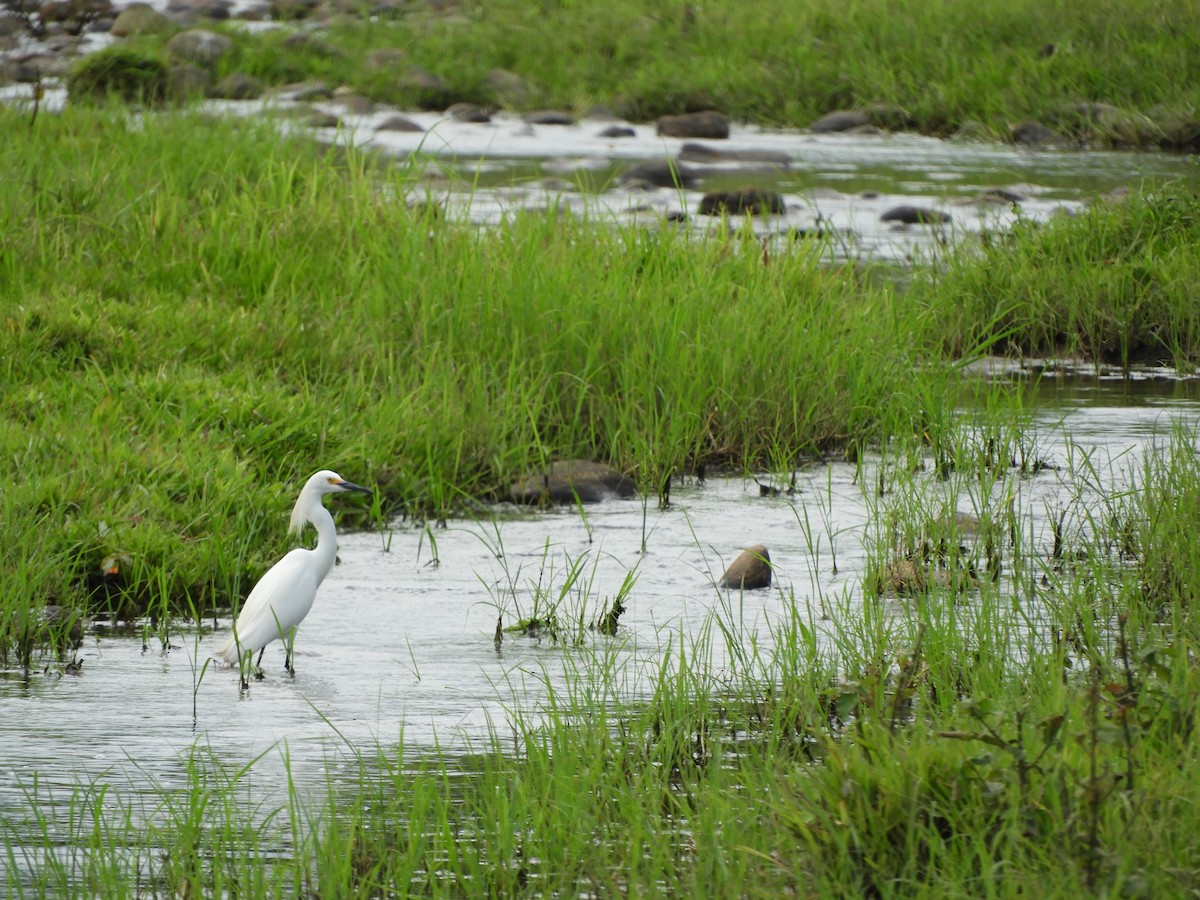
[(323, 120), (291, 10), (141, 18), (1034, 133), (842, 120), (423, 80), (702, 153), (509, 87), (188, 81), (198, 46), (617, 131), (549, 117), (354, 103), (915, 215), (193, 10), (398, 123), (577, 479), (238, 86), (708, 124), (468, 112), (661, 173), (750, 571)]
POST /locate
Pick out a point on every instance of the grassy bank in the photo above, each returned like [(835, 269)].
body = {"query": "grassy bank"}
[(948, 64)]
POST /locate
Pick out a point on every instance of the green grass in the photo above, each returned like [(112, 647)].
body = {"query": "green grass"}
[(200, 313), (774, 62)]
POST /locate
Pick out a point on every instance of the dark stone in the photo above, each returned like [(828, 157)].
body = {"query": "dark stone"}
[(238, 86), (750, 571), (569, 481), (468, 112), (1182, 134), (702, 153), (187, 81), (661, 173), (915, 215), (549, 117), (1034, 133), (398, 123), (740, 202), (708, 124), (323, 120), (842, 120), (617, 131)]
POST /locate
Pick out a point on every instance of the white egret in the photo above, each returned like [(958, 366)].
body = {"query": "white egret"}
[(285, 594)]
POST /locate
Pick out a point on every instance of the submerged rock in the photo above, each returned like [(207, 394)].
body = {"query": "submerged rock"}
[(661, 173), (750, 571), (569, 480), (915, 215), (702, 153), (549, 117)]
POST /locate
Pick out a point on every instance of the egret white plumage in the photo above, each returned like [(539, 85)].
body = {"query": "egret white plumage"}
[(285, 594)]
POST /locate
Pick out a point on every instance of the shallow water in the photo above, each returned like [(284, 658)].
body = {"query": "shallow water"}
[(399, 647), (835, 185)]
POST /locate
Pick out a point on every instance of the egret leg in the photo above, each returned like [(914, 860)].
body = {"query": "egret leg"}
[(287, 662)]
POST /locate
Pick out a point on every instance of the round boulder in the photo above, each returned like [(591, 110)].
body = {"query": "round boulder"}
[(198, 46), (750, 571), (140, 18)]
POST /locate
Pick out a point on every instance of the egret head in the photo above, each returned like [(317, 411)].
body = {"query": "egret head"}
[(317, 486)]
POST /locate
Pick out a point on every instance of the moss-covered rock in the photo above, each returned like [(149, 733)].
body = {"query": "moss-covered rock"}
[(119, 73)]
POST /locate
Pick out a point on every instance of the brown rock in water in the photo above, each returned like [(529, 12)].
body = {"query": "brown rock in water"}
[(750, 571), (567, 481), (707, 124)]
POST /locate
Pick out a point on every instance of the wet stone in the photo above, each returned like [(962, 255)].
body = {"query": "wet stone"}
[(750, 571), (549, 117), (617, 131), (750, 201), (398, 123), (468, 112), (708, 124), (661, 173), (842, 120), (568, 481), (915, 215)]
